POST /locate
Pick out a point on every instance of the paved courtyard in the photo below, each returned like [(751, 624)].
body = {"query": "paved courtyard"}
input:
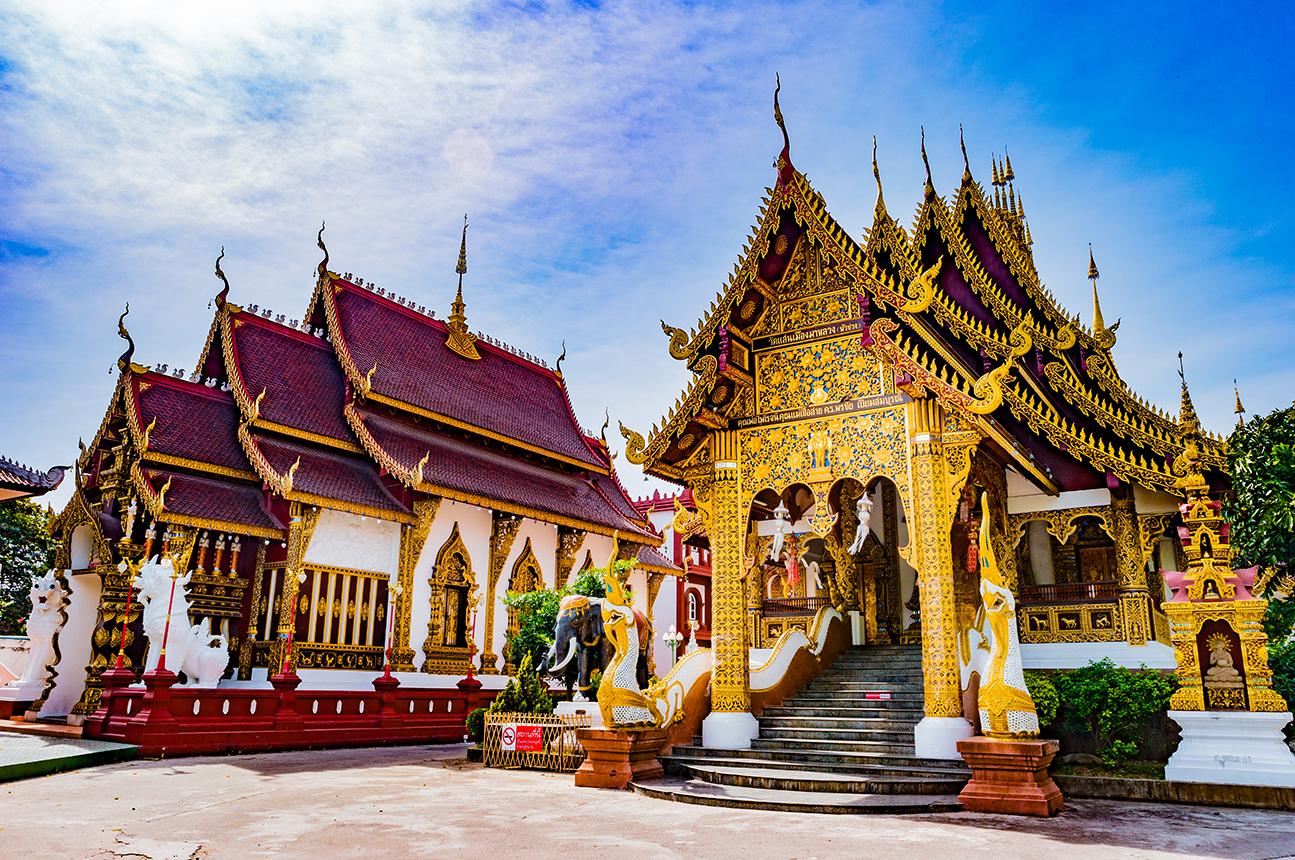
[(425, 802)]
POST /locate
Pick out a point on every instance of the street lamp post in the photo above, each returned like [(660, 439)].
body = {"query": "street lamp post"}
[(397, 590), (292, 612), (673, 639)]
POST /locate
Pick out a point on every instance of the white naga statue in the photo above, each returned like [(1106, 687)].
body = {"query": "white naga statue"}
[(196, 651), (863, 509), (622, 703), (991, 647), (48, 600)]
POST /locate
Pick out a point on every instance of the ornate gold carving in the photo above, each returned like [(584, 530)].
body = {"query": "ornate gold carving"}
[(1061, 524), (679, 342), (728, 606), (813, 373), (451, 580), (569, 541), (412, 539), (503, 531), (525, 578)]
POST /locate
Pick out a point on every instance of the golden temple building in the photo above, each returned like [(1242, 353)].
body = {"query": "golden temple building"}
[(851, 399)]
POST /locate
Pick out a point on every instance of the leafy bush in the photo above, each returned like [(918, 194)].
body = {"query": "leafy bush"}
[(537, 612), (525, 694), (1261, 464), (25, 553), (595, 679), (1110, 703), (475, 725), (1044, 693), (537, 615), (1281, 658)]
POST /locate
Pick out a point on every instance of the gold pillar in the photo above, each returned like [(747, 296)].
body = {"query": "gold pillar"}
[(728, 682), (934, 500), (503, 532), (1135, 603), (301, 526), (412, 538)]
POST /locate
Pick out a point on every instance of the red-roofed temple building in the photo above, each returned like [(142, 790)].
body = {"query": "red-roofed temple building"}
[(310, 466)]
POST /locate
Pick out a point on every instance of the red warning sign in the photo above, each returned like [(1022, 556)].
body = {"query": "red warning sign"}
[(530, 738)]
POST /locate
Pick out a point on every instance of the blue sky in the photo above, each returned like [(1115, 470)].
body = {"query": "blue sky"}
[(612, 157)]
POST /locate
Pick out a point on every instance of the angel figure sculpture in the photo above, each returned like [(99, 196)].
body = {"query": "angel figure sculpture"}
[(863, 509)]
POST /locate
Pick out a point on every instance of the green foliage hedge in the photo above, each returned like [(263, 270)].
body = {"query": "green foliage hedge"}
[(1110, 705), (1044, 694), (25, 553)]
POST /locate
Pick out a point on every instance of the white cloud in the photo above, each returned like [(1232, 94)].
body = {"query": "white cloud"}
[(611, 162)]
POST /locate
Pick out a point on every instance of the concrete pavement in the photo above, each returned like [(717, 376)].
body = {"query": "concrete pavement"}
[(428, 802)]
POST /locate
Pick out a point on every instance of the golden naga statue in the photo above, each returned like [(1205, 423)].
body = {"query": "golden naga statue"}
[(622, 703), (991, 647)]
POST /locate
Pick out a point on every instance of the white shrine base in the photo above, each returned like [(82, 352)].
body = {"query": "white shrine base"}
[(937, 737), (729, 730), (591, 708), (17, 691), (1233, 748)]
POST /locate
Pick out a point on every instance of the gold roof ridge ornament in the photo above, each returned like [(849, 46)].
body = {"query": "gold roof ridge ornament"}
[(460, 340), (124, 360), (1103, 337), (1239, 411), (634, 445), (323, 264), (879, 210), (223, 295), (929, 188), (679, 342)]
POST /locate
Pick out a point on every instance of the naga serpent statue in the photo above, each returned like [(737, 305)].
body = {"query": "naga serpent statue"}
[(623, 703), (991, 647)]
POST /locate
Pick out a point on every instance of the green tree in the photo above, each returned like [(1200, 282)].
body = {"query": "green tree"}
[(1111, 703), (25, 552), (537, 612), (1261, 510), (525, 693)]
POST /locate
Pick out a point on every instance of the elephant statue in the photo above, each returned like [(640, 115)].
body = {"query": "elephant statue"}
[(580, 645)]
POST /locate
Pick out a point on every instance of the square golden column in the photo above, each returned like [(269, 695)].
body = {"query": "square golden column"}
[(1135, 599), (938, 471), (730, 724)]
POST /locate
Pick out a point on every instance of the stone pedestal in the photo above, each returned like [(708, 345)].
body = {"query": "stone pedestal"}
[(591, 708), (616, 757), (1010, 777), (1232, 748)]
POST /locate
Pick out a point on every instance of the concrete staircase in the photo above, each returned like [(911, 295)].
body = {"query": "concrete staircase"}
[(844, 744)]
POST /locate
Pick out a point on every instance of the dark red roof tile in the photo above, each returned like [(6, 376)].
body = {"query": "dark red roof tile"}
[(213, 499), (303, 383), (193, 421), (650, 556), (461, 466), (16, 476), (328, 473), (499, 393)]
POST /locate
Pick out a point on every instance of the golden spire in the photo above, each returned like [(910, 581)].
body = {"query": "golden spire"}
[(1029, 240), (1011, 200), (1099, 324), (1008, 173), (461, 340), (1239, 411), (1020, 207), (930, 186), (997, 178), (1187, 420)]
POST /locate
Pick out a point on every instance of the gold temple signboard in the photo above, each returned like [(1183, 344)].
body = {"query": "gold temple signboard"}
[(825, 410), (803, 335)]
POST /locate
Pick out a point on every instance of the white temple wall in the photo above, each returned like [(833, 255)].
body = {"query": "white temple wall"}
[(74, 642), (348, 540), (1024, 497), (663, 615), (544, 543), (1040, 549), (474, 527)]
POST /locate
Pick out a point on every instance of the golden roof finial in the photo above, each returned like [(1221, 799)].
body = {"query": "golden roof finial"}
[(930, 186), (996, 177), (1099, 324), (1239, 411), (966, 162), (1020, 207), (461, 341), (880, 209), (1187, 419), (1008, 173), (1029, 240), (1092, 264), (319, 240), (220, 273), (123, 361)]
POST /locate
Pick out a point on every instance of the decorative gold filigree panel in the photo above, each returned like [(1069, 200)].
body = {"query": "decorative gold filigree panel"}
[(811, 374)]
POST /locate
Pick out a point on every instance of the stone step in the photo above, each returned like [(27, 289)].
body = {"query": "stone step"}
[(854, 697), (872, 766), (782, 779), (832, 733), (897, 747), (818, 721), (881, 678), (880, 709), (710, 794)]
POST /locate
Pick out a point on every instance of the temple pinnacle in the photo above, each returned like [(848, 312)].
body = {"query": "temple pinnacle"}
[(1008, 173), (460, 339), (1239, 411), (930, 186), (1099, 324)]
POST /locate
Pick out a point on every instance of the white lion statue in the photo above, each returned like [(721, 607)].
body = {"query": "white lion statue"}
[(201, 655), (48, 600)]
